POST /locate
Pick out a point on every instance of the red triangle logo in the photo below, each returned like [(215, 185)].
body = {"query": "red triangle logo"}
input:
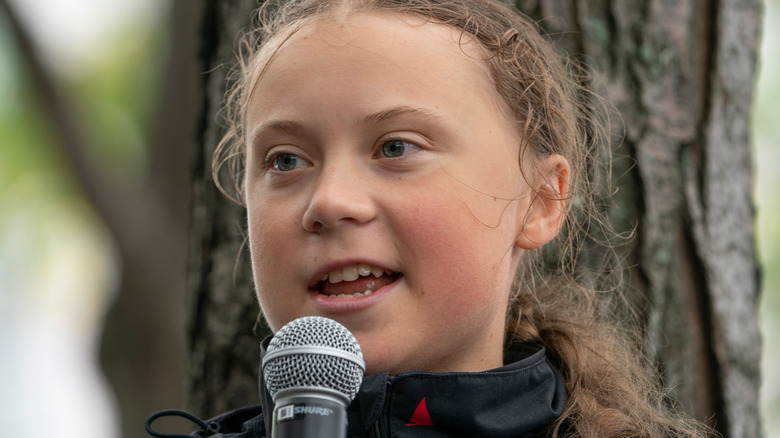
[(421, 417)]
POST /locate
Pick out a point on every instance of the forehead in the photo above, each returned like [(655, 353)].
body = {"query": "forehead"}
[(408, 50), (385, 31)]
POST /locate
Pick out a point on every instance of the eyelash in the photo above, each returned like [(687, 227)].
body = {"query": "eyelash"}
[(270, 161), (380, 153)]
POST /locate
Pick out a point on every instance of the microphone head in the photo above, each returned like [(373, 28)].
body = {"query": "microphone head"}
[(313, 354)]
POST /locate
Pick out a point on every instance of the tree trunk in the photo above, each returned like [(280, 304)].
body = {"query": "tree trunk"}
[(224, 318), (143, 348), (679, 74)]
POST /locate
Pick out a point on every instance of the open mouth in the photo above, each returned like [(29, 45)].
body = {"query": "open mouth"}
[(355, 281)]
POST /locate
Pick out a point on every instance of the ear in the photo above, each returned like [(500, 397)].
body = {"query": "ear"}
[(547, 207)]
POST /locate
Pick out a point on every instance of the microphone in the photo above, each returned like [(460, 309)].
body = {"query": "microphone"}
[(313, 368)]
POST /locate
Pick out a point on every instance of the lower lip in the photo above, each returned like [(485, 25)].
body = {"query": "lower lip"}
[(340, 306)]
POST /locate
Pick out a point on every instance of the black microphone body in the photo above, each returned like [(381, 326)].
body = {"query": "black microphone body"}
[(313, 368), (307, 416)]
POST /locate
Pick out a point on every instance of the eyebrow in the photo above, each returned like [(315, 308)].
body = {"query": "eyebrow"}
[(279, 125), (288, 126), (401, 110), (291, 126)]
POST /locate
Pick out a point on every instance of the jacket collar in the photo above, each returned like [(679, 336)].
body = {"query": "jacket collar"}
[(517, 400)]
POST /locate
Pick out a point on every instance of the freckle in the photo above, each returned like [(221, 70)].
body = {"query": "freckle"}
[(495, 199)]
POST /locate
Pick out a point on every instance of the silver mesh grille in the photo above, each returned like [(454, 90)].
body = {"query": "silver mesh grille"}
[(336, 365)]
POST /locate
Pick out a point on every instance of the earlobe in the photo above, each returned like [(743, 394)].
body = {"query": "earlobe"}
[(546, 211)]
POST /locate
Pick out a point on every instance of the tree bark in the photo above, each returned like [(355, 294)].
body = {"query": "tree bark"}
[(224, 318), (679, 75)]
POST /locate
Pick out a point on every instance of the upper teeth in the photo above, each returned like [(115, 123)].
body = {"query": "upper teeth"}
[(352, 273)]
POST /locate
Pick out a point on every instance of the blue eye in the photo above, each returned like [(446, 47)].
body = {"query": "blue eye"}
[(285, 162), (398, 148)]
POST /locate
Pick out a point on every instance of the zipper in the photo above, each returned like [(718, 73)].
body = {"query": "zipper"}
[(375, 431), (381, 425)]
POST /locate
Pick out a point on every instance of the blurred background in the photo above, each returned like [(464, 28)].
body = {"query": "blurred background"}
[(59, 262)]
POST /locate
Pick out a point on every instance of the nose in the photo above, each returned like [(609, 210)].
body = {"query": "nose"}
[(340, 196)]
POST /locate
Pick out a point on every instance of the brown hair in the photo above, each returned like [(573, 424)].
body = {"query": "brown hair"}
[(611, 391)]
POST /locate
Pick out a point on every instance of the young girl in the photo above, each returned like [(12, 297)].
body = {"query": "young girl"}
[(402, 163)]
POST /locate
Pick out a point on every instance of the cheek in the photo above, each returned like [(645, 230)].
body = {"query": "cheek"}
[(458, 222), (273, 223), (454, 253), (268, 230), (271, 232)]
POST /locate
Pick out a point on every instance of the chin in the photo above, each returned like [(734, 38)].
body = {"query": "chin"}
[(376, 363), (382, 360)]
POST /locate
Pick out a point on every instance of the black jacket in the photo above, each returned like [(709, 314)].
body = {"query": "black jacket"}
[(517, 400)]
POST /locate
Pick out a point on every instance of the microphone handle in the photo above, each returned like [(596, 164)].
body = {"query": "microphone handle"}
[(309, 417)]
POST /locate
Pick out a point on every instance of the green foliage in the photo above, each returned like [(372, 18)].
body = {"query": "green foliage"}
[(116, 97), (766, 136), (112, 98), (30, 168)]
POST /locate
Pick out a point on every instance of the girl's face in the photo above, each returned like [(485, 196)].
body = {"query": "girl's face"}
[(380, 158)]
